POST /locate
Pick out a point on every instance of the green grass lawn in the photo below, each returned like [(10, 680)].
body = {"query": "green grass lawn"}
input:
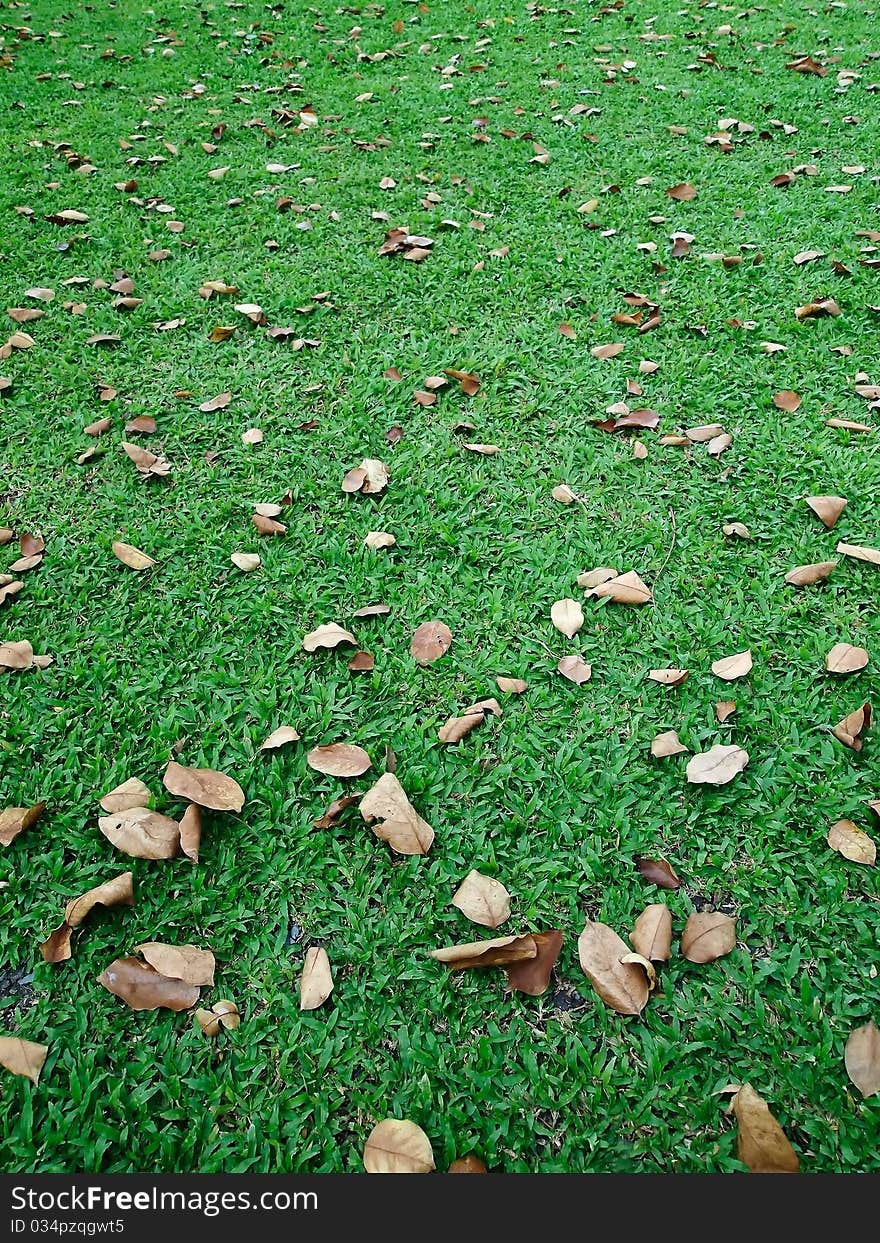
[(197, 660)]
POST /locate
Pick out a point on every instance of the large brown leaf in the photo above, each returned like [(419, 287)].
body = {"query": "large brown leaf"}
[(393, 818), (652, 934), (339, 759), (16, 654), (708, 935), (852, 842), (761, 1141), (14, 820), (862, 1059), (717, 766), (805, 575), (330, 635), (622, 985), (23, 1057), (179, 962), (116, 892), (482, 899), (142, 988), (316, 982), (397, 1146), (492, 953), (844, 658), (204, 786), (142, 833), (430, 641), (532, 975)]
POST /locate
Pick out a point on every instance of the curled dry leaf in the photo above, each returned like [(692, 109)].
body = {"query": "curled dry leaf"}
[(430, 641), (361, 662), (511, 686), (667, 744), (482, 899), (371, 478), (220, 402), (852, 729), (858, 553), (142, 833), (567, 616), (683, 192), (380, 539), (844, 658), (737, 529), (468, 1165), (624, 589), (668, 677), (610, 350), (335, 810), (116, 892), (222, 1014), (132, 793), (279, 738), (496, 952), (827, 508), (339, 759), (204, 786), (246, 561), (191, 832), (563, 493), (575, 669), (458, 727), (253, 436), (657, 872), (14, 820), (180, 962), (25, 1058), (142, 988), (716, 766), (708, 935), (330, 635), (397, 1146), (593, 578), (851, 842), (393, 818), (268, 526), (805, 575), (131, 556), (532, 975), (8, 590), (622, 985), (732, 667), (316, 982), (761, 1142), (652, 934), (704, 433), (372, 610), (862, 1059)]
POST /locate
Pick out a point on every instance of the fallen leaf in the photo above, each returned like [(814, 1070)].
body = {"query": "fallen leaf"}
[(563, 493), (729, 668), (668, 677), (279, 738), (667, 744), (852, 729), (393, 818), (652, 934), (339, 759), (567, 616), (622, 985), (329, 636), (787, 401), (335, 810), (222, 1014), (142, 833), (316, 982), (761, 1143), (708, 935), (132, 793), (379, 539), (253, 436), (482, 899), (862, 1059), (805, 575), (179, 962), (532, 976), (204, 786), (361, 662), (246, 561), (485, 450), (608, 351), (23, 1057), (16, 655), (191, 832), (268, 526), (717, 766), (116, 892), (142, 988), (683, 192), (511, 686), (575, 669), (131, 556), (496, 952), (14, 820), (430, 641), (469, 1164), (828, 508), (624, 589), (851, 842), (371, 478), (397, 1146), (738, 529), (871, 555), (844, 658), (724, 709), (220, 402), (593, 578)]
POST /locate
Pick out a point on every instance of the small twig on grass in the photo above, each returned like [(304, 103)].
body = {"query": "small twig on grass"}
[(671, 547), (548, 650)]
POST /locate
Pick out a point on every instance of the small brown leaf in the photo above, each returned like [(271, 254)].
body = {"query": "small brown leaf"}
[(484, 450), (511, 686), (532, 976), (335, 810), (658, 872), (567, 616), (220, 402), (739, 529), (204, 786), (222, 1014), (316, 982), (468, 1165), (563, 493), (608, 351), (142, 988), (844, 658), (191, 832), (652, 934), (622, 985), (862, 1059), (668, 677), (593, 578), (379, 539), (716, 766), (828, 508), (14, 820), (131, 556), (430, 641), (393, 818), (708, 935), (371, 478), (339, 759), (268, 526), (397, 1146), (851, 842), (180, 962), (787, 401), (804, 575), (575, 669), (116, 892), (624, 589), (23, 1057), (132, 793), (246, 561), (98, 427), (761, 1143), (279, 738), (723, 709), (667, 744), (852, 729), (729, 668), (566, 330), (483, 900), (496, 952), (330, 636), (683, 192)]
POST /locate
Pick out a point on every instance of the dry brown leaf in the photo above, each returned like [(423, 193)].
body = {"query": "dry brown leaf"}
[(142, 833), (862, 1059), (871, 555), (511, 686), (575, 669), (729, 668), (563, 493), (667, 744), (683, 192), (496, 952), (483, 900), (716, 766), (204, 786), (23, 564), (593, 578), (8, 590), (469, 1164), (787, 401), (23, 1057), (279, 738), (852, 729), (372, 610), (718, 444), (484, 450), (652, 934), (761, 1143), (828, 508), (532, 976), (17, 654), (668, 677), (132, 793), (805, 575), (397, 1146), (393, 818), (246, 561), (608, 351), (458, 727), (222, 1014), (849, 425), (430, 641), (723, 709), (253, 436), (14, 820), (371, 478), (361, 662), (851, 842), (116, 892), (708, 935), (220, 402), (622, 985), (339, 759), (738, 529), (268, 526), (131, 556), (316, 982), (657, 872), (147, 463), (191, 832), (335, 810), (142, 988), (567, 616), (704, 433), (467, 381), (380, 539), (179, 962), (844, 658), (98, 427), (330, 635), (625, 589)]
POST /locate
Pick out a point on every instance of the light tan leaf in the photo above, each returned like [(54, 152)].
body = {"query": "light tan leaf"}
[(222, 1014), (844, 658), (729, 668), (246, 561), (668, 677), (567, 616), (131, 556), (142, 988), (852, 729), (851, 842), (862, 1059), (23, 1057), (132, 793), (871, 555), (430, 641), (483, 450), (625, 589), (380, 539), (575, 669), (738, 529), (16, 655), (316, 982), (393, 818), (828, 508), (220, 402), (708, 935), (716, 766), (593, 578), (458, 727), (191, 832), (179, 962), (330, 635), (723, 709), (761, 1143), (704, 433), (622, 985), (511, 686), (142, 833), (652, 934), (339, 759), (116, 892), (805, 575), (204, 786), (532, 975), (397, 1146), (492, 953), (253, 436), (482, 899), (667, 744), (563, 493), (8, 590), (371, 478), (14, 820), (279, 738), (849, 425), (470, 1164), (608, 351)]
